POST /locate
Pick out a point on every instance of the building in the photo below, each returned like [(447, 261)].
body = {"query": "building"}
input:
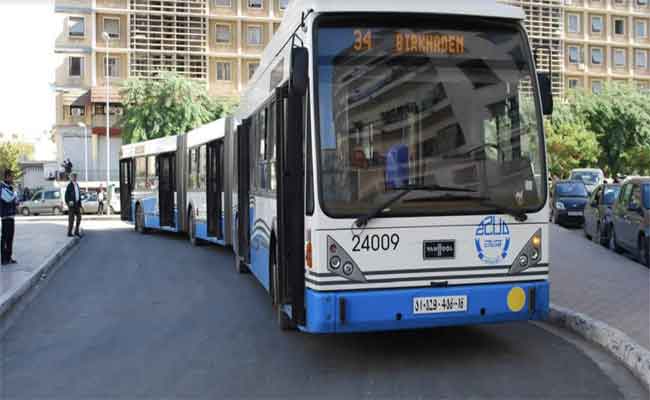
[(218, 42), (606, 41)]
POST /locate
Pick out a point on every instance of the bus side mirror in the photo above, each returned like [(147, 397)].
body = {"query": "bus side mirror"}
[(299, 71), (546, 92)]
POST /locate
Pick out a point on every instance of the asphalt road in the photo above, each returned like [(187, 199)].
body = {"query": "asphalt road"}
[(131, 316)]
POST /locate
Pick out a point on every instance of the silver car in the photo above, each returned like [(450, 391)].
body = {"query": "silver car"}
[(89, 203), (49, 201)]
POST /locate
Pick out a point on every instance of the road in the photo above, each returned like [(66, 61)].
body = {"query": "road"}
[(148, 316)]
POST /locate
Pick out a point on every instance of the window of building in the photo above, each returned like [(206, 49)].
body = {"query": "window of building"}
[(619, 57), (641, 28), (642, 2), (77, 27), (597, 86), (256, 4), (111, 67), (252, 67), (574, 55), (283, 4), (596, 24), (574, 23), (573, 83), (641, 57), (224, 71), (75, 67), (597, 55), (77, 111), (223, 33), (619, 26), (112, 27), (254, 35), (223, 3)]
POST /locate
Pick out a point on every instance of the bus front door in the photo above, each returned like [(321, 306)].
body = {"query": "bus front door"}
[(215, 189), (243, 192), (166, 165), (126, 188)]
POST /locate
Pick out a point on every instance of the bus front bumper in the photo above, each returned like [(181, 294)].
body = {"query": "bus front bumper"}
[(381, 310)]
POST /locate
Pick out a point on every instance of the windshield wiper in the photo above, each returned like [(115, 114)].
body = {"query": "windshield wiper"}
[(517, 214), (404, 190)]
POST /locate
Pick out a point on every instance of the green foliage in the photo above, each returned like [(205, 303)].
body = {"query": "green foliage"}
[(571, 145), (10, 154), (167, 106), (619, 119)]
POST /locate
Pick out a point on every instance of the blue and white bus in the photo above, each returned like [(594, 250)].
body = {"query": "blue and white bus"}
[(389, 170), (179, 184)]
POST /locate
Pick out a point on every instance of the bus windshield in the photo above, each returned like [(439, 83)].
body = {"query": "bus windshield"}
[(428, 103)]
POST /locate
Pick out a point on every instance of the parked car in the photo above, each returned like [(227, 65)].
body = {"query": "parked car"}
[(591, 177), (631, 219), (49, 201), (598, 212), (569, 200), (115, 200), (89, 203)]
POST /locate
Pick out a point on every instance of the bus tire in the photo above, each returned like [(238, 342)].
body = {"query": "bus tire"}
[(191, 229), (139, 220)]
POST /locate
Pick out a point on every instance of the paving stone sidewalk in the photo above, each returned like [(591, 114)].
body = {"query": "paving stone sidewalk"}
[(593, 280), (36, 244)]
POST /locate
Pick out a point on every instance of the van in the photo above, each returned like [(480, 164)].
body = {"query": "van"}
[(47, 201)]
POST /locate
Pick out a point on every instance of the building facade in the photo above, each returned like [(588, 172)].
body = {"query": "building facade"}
[(218, 42), (606, 41)]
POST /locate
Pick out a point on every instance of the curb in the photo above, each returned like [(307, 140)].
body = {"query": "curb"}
[(87, 217), (37, 275), (635, 357)]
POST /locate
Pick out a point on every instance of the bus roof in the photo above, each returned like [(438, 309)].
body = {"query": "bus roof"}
[(206, 133), (154, 146), (484, 8)]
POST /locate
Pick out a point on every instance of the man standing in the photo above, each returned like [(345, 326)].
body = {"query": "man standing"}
[(73, 198), (8, 203), (100, 200)]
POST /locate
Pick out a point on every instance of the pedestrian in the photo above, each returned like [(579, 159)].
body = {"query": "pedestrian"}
[(100, 200), (73, 199), (8, 203)]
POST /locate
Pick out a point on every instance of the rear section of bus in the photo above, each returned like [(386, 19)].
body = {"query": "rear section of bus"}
[(430, 174)]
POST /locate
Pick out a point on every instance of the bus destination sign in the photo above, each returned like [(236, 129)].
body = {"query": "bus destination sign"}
[(405, 43)]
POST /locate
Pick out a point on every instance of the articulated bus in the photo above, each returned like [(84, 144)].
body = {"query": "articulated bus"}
[(388, 167), (179, 184)]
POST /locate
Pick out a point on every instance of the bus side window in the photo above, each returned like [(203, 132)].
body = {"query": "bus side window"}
[(261, 140), (252, 163), (202, 167), (270, 148)]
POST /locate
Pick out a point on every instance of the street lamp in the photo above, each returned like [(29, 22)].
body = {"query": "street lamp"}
[(107, 39), (85, 128)]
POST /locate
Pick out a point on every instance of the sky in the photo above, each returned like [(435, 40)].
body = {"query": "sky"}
[(27, 67)]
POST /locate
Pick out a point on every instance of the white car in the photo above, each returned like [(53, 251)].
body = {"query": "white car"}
[(115, 200), (591, 177)]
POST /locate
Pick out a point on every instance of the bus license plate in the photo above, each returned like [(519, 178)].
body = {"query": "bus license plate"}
[(439, 304)]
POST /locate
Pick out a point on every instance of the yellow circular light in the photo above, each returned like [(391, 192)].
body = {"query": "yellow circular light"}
[(516, 299), (537, 241)]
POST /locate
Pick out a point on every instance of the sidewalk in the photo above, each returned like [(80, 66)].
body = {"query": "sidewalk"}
[(37, 247), (597, 282)]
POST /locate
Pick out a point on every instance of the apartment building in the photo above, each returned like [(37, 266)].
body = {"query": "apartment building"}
[(606, 41), (218, 42)]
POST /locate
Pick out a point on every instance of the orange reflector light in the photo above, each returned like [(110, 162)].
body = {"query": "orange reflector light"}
[(308, 259), (536, 242)]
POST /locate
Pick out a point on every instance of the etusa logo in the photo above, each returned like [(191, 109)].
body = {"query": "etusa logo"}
[(492, 240)]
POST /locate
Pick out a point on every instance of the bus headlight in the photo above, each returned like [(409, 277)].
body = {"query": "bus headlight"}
[(529, 256), (348, 268), (340, 263)]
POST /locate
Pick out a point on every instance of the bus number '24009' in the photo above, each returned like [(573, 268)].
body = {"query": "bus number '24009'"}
[(375, 242)]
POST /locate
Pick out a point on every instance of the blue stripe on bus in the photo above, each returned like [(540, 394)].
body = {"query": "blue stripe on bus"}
[(202, 233), (377, 310)]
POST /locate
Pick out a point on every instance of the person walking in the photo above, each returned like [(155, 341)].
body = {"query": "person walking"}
[(8, 203), (100, 199), (73, 199)]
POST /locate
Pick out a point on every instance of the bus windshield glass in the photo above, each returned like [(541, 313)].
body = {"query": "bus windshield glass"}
[(429, 103)]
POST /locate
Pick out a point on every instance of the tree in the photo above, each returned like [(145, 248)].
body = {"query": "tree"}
[(167, 106), (570, 145), (11, 153), (620, 117)]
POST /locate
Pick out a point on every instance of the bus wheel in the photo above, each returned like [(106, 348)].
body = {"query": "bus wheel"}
[(192, 229), (139, 220)]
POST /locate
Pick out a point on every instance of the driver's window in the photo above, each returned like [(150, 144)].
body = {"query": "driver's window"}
[(636, 196), (38, 196), (625, 195)]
